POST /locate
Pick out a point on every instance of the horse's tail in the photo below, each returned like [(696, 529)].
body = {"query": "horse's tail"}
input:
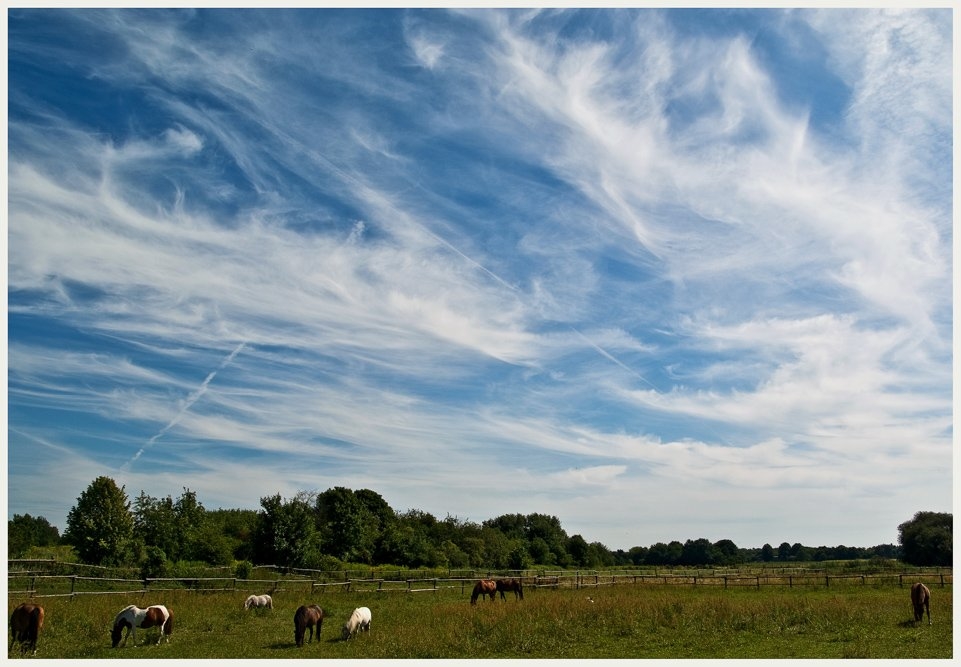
[(169, 624), (37, 624), (300, 626), (476, 593)]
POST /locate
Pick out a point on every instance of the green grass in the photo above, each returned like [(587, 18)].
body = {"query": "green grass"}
[(622, 622)]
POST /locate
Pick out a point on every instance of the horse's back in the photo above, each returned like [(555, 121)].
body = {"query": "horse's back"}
[(26, 616), (26, 621)]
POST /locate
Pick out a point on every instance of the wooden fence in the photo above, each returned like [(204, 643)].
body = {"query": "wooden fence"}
[(38, 585)]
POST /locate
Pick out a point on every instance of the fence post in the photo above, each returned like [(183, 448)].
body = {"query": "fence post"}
[(942, 580), (827, 581)]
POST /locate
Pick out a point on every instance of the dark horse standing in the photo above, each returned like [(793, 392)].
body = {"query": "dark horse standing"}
[(921, 599), (25, 625), (482, 588), (510, 585), (307, 617)]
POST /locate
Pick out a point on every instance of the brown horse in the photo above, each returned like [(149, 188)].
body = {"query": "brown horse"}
[(510, 585), (25, 625), (307, 617), (132, 617), (482, 588), (921, 599)]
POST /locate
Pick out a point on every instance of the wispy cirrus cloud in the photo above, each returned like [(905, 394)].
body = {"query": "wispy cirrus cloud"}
[(596, 255)]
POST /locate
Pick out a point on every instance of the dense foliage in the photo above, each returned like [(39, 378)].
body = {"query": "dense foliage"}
[(927, 539), (324, 530), (100, 526)]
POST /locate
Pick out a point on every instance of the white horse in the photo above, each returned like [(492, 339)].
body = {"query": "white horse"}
[(259, 601), (133, 617), (359, 620)]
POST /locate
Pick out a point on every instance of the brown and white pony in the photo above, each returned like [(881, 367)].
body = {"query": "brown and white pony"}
[(132, 617), (307, 617), (510, 585), (482, 588), (921, 600), (25, 625)]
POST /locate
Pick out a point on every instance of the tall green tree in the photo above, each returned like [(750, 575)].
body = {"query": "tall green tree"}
[(286, 534), (577, 547), (155, 527), (25, 531), (727, 552), (348, 528), (176, 528), (927, 539), (237, 526), (100, 525)]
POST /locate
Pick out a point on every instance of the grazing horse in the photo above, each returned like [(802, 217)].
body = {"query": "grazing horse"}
[(25, 625), (482, 588), (359, 620), (307, 617), (132, 617), (921, 599), (259, 601), (510, 585)]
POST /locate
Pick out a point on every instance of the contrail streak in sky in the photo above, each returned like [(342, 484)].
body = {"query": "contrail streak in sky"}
[(191, 399), (607, 355)]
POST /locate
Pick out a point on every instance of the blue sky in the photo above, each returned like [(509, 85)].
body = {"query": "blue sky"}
[(663, 274)]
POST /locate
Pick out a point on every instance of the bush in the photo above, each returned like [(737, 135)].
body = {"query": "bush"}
[(243, 569)]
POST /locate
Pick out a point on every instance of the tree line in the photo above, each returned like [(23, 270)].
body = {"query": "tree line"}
[(324, 531)]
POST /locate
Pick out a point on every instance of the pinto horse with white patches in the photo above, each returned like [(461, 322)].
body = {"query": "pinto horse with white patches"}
[(132, 617)]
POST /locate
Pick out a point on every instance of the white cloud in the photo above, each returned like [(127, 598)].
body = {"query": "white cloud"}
[(542, 271)]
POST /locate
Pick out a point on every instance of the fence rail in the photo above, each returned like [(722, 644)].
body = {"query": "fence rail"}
[(36, 585)]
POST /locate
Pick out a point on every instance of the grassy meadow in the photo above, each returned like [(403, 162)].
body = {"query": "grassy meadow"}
[(639, 621)]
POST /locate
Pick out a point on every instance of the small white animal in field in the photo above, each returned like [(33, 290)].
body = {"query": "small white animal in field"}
[(590, 599), (259, 601), (359, 620)]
